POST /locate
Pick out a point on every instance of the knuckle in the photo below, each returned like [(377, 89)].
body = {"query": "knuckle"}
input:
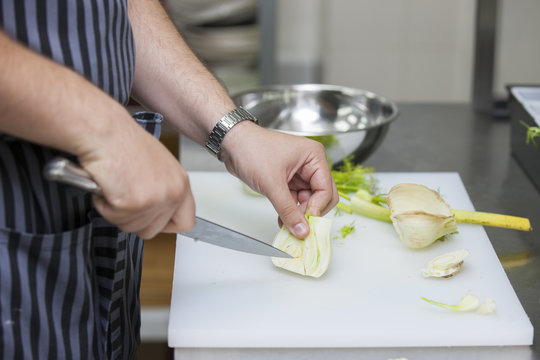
[(180, 187)]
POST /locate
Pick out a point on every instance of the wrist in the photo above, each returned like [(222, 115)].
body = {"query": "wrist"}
[(220, 131), (99, 131)]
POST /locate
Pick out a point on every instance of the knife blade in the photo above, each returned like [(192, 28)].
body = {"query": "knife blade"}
[(219, 235), (65, 171)]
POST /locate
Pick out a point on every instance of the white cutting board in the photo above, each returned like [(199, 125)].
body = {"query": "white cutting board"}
[(369, 297)]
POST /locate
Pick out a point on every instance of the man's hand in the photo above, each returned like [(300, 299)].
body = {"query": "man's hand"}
[(146, 190), (291, 171)]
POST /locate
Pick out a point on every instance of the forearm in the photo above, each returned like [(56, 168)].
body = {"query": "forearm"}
[(46, 103), (168, 76)]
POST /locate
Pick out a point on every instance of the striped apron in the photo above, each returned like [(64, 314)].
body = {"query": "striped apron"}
[(69, 280)]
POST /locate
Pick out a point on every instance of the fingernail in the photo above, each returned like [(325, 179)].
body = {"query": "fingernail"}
[(300, 229)]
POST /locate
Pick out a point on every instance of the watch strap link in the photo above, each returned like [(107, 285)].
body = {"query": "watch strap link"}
[(213, 144)]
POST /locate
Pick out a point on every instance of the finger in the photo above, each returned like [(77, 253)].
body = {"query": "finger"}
[(324, 195), (183, 218), (178, 217), (152, 226), (333, 202), (289, 212), (145, 224)]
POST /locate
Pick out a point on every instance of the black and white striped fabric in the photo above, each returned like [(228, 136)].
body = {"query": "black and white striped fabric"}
[(91, 36), (69, 280)]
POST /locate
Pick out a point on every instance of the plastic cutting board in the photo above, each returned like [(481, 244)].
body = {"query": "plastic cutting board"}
[(369, 297)]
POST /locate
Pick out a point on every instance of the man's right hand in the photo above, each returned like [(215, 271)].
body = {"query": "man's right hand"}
[(146, 190)]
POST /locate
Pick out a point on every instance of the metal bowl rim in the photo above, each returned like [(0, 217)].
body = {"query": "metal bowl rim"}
[(317, 87)]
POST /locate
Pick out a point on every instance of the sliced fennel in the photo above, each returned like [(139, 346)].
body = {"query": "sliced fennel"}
[(446, 265), (312, 255), (419, 215), (467, 303)]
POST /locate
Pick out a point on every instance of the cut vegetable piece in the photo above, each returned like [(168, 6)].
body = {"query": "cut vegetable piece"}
[(467, 303), (312, 255), (487, 307), (446, 265), (419, 215)]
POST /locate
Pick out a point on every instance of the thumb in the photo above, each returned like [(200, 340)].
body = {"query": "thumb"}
[(289, 213)]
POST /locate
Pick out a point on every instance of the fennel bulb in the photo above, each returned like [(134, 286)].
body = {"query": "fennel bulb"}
[(312, 255), (419, 215)]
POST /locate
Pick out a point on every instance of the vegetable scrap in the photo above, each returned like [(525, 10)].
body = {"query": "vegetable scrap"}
[(467, 303), (350, 177), (532, 133), (446, 265), (347, 229), (487, 307)]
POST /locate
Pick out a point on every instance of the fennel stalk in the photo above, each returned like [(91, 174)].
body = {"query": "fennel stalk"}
[(381, 213)]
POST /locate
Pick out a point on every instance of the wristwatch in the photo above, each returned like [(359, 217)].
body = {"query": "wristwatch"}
[(213, 144)]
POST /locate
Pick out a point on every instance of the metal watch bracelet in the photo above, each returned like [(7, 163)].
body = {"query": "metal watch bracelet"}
[(213, 144)]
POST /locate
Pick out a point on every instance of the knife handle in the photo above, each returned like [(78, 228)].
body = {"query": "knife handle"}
[(63, 170)]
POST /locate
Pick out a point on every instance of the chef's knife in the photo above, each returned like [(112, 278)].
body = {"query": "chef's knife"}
[(63, 170)]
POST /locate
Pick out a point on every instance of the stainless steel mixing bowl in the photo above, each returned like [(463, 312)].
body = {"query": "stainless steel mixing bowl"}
[(357, 119)]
